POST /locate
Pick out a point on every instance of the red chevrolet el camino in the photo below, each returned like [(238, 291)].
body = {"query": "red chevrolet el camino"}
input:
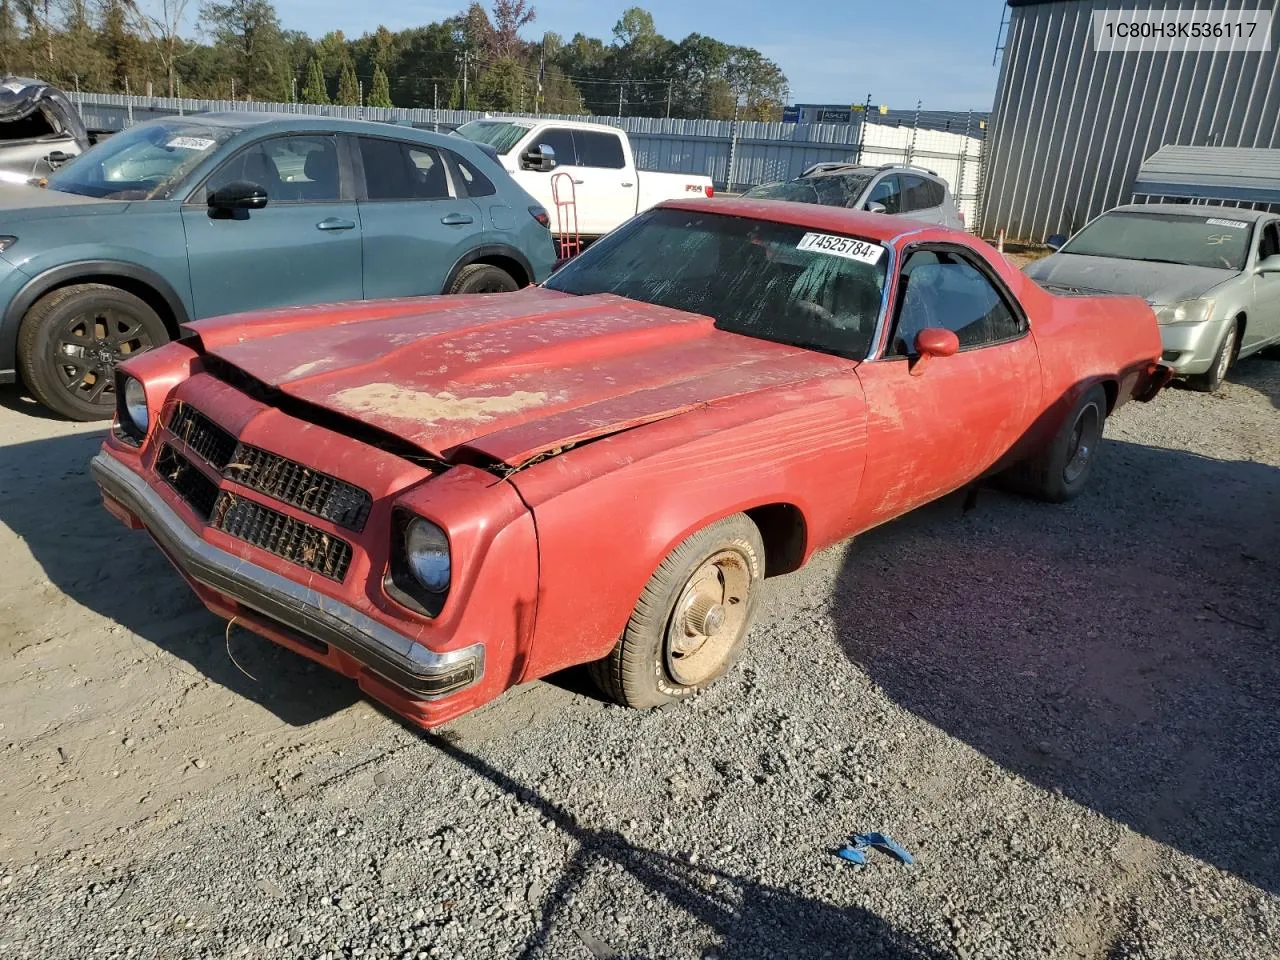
[(445, 497)]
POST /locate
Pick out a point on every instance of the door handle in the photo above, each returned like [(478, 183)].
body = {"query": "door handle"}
[(456, 219), (336, 223), (628, 184), (577, 183)]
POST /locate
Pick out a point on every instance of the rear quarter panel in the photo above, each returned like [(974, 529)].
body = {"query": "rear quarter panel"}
[(609, 512), (1086, 340)]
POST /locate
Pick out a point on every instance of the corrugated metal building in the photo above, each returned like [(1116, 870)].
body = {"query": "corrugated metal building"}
[(1071, 125)]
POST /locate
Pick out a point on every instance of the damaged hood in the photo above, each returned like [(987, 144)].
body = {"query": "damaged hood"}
[(510, 376), (1157, 283)]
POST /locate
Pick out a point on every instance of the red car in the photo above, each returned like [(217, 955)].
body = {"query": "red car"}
[(445, 497)]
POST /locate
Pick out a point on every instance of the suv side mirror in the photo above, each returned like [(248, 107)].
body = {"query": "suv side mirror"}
[(1055, 241), (238, 195), (58, 157), (1270, 265), (933, 342), (874, 207), (539, 158)]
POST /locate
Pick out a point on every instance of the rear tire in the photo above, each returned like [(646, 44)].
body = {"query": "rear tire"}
[(483, 278), (691, 621), (71, 340), (1061, 470), (1223, 361)]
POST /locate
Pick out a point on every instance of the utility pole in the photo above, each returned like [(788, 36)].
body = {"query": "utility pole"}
[(669, 82), (128, 100), (619, 101), (464, 77), (233, 88), (435, 106)]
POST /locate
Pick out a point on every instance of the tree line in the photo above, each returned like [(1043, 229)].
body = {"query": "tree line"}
[(478, 60)]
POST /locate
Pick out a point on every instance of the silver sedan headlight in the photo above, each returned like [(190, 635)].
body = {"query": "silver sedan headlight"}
[(1185, 311)]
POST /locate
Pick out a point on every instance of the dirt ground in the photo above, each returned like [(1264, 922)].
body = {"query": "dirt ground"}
[(1110, 666)]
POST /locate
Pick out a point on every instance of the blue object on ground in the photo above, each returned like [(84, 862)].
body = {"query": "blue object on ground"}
[(853, 855), (884, 843)]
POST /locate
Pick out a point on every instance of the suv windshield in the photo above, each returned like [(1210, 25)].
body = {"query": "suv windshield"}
[(501, 136), (771, 281), (148, 162), (1201, 241), (837, 190)]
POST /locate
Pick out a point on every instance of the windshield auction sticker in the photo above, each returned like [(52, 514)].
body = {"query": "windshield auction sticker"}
[(1237, 224), (845, 247), (190, 143)]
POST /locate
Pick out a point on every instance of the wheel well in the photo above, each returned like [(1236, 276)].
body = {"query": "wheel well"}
[(1242, 321), (785, 536), (509, 264), (1112, 390), (140, 289)]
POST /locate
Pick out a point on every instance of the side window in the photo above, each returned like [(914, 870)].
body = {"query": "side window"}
[(940, 289), (400, 171), (290, 169), (475, 183), (889, 192), (600, 150), (1269, 245), (920, 193), (561, 141)]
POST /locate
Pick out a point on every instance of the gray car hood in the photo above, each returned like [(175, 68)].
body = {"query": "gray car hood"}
[(39, 202), (1157, 283)]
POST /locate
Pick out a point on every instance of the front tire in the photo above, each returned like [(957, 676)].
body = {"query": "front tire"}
[(691, 621), (483, 278), (1061, 470), (1210, 381), (71, 340)]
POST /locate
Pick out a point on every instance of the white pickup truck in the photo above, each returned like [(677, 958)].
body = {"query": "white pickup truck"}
[(607, 187)]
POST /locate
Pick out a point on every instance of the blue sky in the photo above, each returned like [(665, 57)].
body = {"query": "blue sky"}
[(832, 51)]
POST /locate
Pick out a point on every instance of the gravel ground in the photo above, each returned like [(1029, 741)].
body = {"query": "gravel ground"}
[(1069, 715)]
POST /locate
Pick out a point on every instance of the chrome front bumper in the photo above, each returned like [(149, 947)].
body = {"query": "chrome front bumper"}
[(395, 657)]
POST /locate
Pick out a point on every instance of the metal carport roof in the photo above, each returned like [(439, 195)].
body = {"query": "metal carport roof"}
[(1247, 174)]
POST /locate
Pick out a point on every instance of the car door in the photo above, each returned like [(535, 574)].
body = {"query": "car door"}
[(539, 184), (1263, 323), (303, 247), (607, 188), (887, 192), (415, 225), (936, 424)]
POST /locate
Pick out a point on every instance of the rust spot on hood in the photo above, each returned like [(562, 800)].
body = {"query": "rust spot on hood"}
[(405, 403)]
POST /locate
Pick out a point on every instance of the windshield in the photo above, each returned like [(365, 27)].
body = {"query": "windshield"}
[(501, 136), (842, 190), (148, 162), (766, 280), (1202, 241)]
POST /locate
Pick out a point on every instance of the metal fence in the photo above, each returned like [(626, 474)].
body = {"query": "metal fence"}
[(735, 154)]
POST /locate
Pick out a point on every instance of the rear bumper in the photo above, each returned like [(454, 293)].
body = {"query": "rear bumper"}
[(422, 674)]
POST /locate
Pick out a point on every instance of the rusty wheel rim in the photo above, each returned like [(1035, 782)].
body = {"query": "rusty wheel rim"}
[(708, 618)]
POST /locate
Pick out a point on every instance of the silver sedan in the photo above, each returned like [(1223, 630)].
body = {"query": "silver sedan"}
[(1211, 274)]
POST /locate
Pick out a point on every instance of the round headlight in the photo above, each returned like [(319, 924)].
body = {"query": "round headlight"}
[(427, 550), (135, 404)]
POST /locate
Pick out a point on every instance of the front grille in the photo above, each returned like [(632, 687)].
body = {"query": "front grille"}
[(281, 479), (291, 539), (202, 435), (310, 490), (188, 480)]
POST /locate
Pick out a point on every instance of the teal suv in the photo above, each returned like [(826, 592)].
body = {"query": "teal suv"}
[(191, 217)]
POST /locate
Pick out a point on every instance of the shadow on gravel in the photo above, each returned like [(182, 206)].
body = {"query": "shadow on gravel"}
[(48, 499), (1123, 649), (749, 918)]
